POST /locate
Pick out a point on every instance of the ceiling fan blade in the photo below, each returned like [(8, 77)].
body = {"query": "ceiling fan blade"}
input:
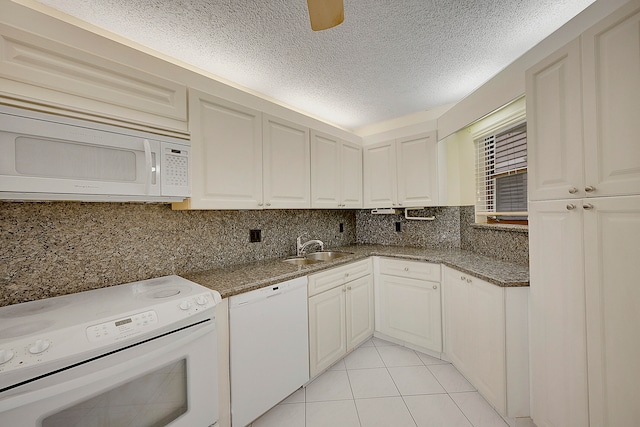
[(325, 13)]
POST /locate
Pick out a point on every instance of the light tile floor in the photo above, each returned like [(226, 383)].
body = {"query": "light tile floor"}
[(381, 384)]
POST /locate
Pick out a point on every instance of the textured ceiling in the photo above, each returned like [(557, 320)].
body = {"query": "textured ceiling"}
[(388, 59)]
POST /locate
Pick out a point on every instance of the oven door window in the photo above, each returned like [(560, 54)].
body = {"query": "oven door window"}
[(155, 399)]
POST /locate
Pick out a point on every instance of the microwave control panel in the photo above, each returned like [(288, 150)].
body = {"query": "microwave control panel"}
[(175, 169)]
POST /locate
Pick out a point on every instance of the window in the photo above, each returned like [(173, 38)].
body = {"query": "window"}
[(501, 176)]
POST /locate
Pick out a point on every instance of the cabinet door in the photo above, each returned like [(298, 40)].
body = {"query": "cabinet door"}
[(287, 175), (380, 180), (611, 233), (611, 70), (557, 304), (226, 144), (457, 319), (359, 311), (417, 160), (554, 126), (51, 73), (351, 175), (325, 171), (327, 329), (486, 345), (410, 311)]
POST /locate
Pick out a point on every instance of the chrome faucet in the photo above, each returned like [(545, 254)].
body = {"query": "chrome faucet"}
[(301, 247)]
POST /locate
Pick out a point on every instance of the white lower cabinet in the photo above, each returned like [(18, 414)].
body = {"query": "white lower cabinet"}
[(585, 309), (341, 317), (486, 338), (408, 304)]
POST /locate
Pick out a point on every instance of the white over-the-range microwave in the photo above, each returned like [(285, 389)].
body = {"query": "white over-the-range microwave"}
[(49, 157)]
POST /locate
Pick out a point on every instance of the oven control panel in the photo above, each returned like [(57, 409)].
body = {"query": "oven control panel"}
[(168, 310), (124, 327)]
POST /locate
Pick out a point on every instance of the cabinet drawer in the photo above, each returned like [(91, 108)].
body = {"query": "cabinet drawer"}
[(338, 276), (410, 269)]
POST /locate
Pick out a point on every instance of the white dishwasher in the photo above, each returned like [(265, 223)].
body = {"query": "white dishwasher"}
[(269, 346)]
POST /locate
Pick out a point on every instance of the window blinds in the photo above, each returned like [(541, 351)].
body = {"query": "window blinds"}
[(501, 178)]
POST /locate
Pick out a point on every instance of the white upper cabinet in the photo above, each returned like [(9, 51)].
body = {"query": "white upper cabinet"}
[(49, 74), (582, 113), (351, 175), (401, 173), (244, 159), (380, 179), (226, 144), (554, 122), (286, 163), (336, 172), (417, 160), (611, 82)]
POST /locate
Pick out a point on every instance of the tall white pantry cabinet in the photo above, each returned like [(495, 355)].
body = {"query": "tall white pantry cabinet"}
[(583, 113)]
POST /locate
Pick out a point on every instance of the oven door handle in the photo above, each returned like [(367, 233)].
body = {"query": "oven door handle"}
[(112, 375)]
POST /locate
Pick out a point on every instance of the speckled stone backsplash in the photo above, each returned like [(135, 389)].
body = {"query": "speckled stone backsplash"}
[(49, 249), (442, 233), (453, 228), (508, 243)]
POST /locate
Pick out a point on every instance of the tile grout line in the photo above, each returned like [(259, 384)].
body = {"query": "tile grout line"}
[(400, 393), (449, 394), (353, 397)]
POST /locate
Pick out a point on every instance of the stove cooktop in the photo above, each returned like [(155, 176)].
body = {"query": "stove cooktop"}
[(65, 328)]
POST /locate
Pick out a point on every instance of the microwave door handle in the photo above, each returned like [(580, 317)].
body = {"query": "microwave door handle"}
[(148, 165)]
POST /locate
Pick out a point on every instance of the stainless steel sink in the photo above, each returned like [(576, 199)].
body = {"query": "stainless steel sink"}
[(327, 255), (301, 261)]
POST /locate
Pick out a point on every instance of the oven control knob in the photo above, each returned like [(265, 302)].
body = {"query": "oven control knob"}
[(5, 356), (202, 300), (39, 346), (185, 305)]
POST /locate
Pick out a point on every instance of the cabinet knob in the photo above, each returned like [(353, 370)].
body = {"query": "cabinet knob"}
[(435, 287), (589, 188), (260, 204), (571, 207), (344, 289), (406, 269), (349, 287), (399, 204), (587, 206), (573, 190), (268, 204), (469, 280), (463, 278), (346, 274)]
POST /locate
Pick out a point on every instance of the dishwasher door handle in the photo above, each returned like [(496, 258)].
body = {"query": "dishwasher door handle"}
[(274, 294)]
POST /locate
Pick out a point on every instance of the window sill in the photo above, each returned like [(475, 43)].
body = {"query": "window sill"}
[(502, 227)]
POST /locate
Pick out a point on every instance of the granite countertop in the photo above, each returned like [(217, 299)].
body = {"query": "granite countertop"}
[(240, 278)]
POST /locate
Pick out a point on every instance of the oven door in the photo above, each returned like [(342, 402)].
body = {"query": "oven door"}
[(167, 381)]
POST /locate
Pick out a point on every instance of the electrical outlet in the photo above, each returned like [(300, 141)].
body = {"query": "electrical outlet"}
[(398, 226), (255, 236), (341, 227)]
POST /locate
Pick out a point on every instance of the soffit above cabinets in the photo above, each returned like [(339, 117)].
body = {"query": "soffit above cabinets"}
[(388, 59)]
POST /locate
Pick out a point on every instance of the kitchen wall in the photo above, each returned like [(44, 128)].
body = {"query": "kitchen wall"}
[(453, 228), (49, 249), (505, 242), (443, 233)]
